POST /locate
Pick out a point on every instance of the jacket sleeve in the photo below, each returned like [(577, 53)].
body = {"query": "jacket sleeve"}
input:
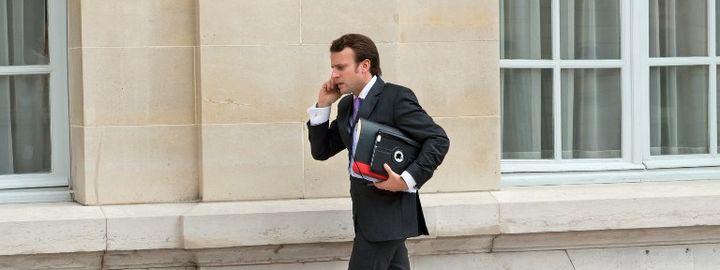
[(412, 120), (325, 140)]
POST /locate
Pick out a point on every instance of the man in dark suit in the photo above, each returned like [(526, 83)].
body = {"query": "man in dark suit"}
[(385, 213)]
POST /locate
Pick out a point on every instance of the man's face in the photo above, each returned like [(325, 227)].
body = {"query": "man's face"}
[(346, 73)]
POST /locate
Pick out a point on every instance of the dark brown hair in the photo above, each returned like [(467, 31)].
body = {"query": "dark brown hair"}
[(363, 47)]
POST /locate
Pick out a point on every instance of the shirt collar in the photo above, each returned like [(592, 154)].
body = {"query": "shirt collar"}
[(367, 87)]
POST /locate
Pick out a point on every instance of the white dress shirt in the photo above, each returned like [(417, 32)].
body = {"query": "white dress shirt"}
[(322, 115)]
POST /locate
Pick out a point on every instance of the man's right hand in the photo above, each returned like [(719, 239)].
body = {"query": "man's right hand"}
[(329, 93)]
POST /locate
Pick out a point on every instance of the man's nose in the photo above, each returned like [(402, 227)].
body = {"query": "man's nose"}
[(335, 74)]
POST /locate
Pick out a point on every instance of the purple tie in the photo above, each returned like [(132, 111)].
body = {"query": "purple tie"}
[(356, 107)]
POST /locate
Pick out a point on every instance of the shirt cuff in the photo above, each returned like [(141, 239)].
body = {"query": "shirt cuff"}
[(318, 115), (410, 181)]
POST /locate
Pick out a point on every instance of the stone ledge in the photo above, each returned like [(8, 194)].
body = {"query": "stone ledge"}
[(609, 207), (213, 225), (145, 226), (51, 228), (538, 218), (311, 256)]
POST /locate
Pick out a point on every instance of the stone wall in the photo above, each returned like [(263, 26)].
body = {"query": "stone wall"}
[(697, 257), (187, 100), (189, 149)]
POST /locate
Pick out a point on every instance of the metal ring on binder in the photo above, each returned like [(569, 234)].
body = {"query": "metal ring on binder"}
[(398, 156)]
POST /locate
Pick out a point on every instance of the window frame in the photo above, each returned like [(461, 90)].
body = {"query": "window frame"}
[(636, 163), (52, 186), (557, 65)]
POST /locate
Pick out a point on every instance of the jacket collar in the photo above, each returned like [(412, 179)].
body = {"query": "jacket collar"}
[(371, 98)]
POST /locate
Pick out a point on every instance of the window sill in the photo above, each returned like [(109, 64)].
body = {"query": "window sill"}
[(505, 216), (36, 195), (610, 177), (578, 165)]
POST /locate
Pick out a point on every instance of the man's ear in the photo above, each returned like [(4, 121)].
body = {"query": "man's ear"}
[(366, 64)]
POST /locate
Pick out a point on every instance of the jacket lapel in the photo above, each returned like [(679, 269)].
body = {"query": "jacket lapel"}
[(368, 104), (344, 111)]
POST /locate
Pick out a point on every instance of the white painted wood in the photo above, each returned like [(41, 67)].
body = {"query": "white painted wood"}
[(557, 77), (634, 64), (59, 116)]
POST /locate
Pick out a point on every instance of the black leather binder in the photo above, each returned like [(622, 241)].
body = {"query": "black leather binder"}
[(378, 144)]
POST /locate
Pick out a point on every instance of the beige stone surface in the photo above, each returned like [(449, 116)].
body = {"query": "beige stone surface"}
[(603, 207), (327, 178), (138, 86), (248, 22), (452, 78), (698, 257), (330, 220), (75, 261), (254, 84), (332, 265), (50, 228), (75, 83), (545, 260), (142, 164), (458, 214), (314, 69), (275, 83), (145, 226), (454, 20), (289, 231), (135, 23), (323, 22), (155, 259), (74, 26), (705, 257), (671, 257), (473, 161), (252, 161), (449, 245), (285, 253), (389, 62), (267, 223), (83, 191), (607, 238)]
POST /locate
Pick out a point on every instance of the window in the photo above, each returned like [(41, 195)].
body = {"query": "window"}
[(34, 154), (614, 87)]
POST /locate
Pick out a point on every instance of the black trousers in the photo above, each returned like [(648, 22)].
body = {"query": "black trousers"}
[(383, 255)]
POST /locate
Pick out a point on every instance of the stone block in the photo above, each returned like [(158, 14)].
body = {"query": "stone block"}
[(138, 23), (138, 86), (247, 22), (142, 164), (252, 161), (455, 20)]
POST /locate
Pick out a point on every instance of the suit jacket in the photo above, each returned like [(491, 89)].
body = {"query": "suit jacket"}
[(381, 215)]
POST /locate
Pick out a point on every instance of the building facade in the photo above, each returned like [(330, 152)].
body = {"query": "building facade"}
[(170, 134)]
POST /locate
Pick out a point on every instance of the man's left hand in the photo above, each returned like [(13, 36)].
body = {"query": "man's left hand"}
[(394, 182)]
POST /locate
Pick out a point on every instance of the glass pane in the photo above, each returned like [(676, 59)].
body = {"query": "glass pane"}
[(23, 32), (591, 113), (526, 31), (678, 110), (590, 29), (24, 124), (717, 106), (678, 28), (527, 119)]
